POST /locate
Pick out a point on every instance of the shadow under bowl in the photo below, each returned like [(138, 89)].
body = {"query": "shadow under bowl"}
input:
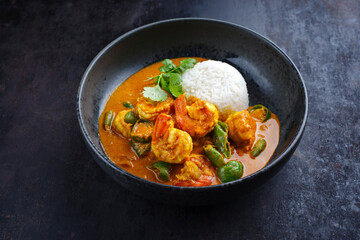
[(272, 79)]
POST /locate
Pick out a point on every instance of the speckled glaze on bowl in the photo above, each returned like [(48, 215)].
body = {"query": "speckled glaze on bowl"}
[(272, 79)]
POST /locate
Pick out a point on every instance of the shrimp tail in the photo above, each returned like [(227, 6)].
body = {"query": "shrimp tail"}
[(181, 111), (162, 124), (180, 105)]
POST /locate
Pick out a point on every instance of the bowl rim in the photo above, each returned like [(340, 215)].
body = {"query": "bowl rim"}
[(112, 165)]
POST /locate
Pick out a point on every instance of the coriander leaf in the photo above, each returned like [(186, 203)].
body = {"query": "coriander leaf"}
[(155, 93), (162, 69), (157, 79), (175, 84), (168, 66), (164, 82), (174, 78), (177, 70), (176, 90), (169, 80), (187, 63)]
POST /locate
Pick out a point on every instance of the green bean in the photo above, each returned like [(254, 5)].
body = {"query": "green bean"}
[(214, 156), (108, 119), (128, 105), (130, 117), (232, 171), (224, 126), (141, 149), (220, 139), (267, 113), (163, 170), (258, 147)]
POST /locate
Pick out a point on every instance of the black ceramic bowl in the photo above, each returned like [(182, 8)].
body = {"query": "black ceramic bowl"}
[(272, 79)]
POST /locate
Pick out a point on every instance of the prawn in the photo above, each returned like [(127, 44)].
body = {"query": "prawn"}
[(168, 143), (198, 119), (242, 129), (195, 173), (150, 110), (120, 125)]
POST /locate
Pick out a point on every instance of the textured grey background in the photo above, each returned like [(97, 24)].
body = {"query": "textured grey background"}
[(50, 188)]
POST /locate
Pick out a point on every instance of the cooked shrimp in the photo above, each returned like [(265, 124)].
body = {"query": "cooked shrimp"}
[(195, 173), (150, 110), (168, 143), (198, 119), (242, 128), (120, 125)]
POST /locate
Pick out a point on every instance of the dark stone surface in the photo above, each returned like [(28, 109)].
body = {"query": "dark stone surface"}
[(50, 188)]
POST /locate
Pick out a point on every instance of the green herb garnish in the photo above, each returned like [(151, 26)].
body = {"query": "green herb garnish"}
[(187, 63), (169, 80), (175, 84), (155, 93)]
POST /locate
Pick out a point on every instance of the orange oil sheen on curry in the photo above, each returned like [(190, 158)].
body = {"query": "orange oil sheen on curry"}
[(197, 170)]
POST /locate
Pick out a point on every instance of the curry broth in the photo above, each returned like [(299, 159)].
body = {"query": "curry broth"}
[(119, 151)]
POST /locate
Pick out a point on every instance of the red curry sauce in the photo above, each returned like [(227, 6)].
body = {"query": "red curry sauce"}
[(119, 151)]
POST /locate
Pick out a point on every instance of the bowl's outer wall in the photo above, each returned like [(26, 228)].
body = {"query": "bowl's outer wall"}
[(272, 80)]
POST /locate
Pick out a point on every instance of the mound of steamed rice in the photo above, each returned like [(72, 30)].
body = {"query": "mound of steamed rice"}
[(218, 83)]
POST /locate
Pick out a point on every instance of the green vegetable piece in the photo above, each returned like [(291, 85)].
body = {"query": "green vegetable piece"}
[(267, 113), (168, 66), (169, 80), (141, 131), (175, 84), (214, 156), (141, 149), (163, 170), (232, 171), (127, 105), (162, 69), (108, 119), (175, 78), (164, 82), (156, 78), (155, 93), (258, 147), (220, 139), (224, 126), (130, 117), (187, 64)]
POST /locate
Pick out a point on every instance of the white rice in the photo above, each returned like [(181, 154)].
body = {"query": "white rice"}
[(218, 83)]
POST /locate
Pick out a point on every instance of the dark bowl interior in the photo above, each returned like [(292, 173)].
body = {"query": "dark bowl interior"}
[(272, 79)]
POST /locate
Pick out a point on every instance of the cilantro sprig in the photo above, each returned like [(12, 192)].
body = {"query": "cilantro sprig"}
[(169, 80)]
